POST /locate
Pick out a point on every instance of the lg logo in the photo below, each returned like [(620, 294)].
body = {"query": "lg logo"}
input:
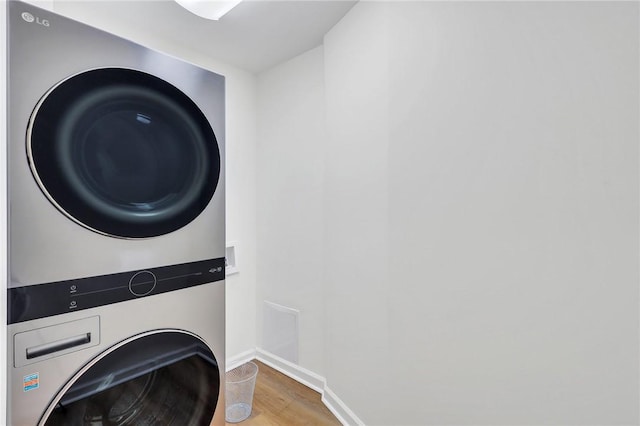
[(30, 18)]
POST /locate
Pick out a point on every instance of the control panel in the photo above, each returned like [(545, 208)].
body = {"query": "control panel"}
[(44, 300)]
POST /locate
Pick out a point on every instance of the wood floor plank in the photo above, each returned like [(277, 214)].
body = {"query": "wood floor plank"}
[(279, 400)]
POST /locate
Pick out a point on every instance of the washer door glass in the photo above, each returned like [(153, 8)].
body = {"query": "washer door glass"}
[(123, 153), (164, 378)]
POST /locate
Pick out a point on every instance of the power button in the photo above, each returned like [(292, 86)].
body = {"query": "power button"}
[(142, 283)]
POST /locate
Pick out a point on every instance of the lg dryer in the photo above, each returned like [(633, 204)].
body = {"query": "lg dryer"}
[(116, 226)]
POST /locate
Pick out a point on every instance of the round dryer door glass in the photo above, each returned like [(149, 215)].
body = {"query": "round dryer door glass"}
[(163, 378), (123, 153)]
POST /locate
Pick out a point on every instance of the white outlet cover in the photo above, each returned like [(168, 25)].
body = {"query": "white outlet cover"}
[(231, 259)]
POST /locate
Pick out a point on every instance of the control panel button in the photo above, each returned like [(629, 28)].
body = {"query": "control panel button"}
[(142, 283)]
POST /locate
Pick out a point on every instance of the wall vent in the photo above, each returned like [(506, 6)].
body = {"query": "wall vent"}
[(280, 331)]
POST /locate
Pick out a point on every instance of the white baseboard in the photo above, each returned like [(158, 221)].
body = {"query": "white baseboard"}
[(339, 408), (302, 375), (239, 359), (313, 381), (297, 373)]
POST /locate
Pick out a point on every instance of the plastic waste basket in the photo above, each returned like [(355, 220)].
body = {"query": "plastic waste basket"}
[(239, 386)]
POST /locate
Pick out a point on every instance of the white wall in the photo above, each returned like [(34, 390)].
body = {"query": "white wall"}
[(358, 350), (482, 213), (290, 146), (241, 210), (479, 216)]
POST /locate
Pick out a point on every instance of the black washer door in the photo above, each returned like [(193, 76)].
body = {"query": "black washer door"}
[(164, 378), (123, 153)]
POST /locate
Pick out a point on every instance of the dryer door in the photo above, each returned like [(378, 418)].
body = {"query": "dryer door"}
[(123, 153), (165, 377)]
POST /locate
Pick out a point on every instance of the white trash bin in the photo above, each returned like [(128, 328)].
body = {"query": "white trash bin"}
[(239, 385)]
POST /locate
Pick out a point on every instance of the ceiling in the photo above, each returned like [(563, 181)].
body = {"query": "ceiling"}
[(255, 35)]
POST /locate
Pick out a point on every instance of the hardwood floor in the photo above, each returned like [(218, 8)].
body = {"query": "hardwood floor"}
[(280, 401)]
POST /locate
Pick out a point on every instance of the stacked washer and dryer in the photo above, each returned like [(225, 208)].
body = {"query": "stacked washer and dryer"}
[(116, 227)]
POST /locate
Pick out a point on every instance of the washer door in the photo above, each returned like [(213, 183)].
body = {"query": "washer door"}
[(165, 377), (123, 153)]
